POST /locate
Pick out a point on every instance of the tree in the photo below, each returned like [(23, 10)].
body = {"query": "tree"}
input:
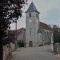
[(21, 43), (9, 10), (56, 34)]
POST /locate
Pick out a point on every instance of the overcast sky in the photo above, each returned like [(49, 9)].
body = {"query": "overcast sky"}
[(49, 12)]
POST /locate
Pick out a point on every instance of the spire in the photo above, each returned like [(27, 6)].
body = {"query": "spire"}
[(32, 8)]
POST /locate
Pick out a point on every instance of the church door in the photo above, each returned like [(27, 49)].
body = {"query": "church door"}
[(30, 44)]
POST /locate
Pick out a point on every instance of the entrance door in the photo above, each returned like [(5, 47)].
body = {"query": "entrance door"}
[(30, 44)]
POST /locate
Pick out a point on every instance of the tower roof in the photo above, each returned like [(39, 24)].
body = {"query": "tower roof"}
[(32, 8)]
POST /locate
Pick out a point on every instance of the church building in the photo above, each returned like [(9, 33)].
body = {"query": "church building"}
[(37, 33)]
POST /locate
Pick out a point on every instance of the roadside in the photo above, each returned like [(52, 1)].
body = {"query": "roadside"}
[(57, 55), (12, 57)]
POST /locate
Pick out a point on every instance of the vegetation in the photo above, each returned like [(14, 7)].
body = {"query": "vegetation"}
[(10, 10), (56, 34), (20, 43)]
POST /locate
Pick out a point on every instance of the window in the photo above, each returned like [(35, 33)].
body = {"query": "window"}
[(29, 14)]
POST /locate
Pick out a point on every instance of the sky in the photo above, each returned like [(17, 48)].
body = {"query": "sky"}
[(49, 13)]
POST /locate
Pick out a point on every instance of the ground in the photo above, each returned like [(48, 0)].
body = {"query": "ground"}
[(34, 53)]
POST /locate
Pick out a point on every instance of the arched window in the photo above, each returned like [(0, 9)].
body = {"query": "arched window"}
[(29, 14)]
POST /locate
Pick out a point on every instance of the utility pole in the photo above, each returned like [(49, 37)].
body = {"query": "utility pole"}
[(15, 34)]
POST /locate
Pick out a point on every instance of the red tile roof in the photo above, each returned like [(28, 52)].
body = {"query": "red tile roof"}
[(19, 31), (44, 26), (12, 33)]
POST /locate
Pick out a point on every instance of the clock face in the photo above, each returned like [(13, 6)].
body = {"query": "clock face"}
[(30, 20)]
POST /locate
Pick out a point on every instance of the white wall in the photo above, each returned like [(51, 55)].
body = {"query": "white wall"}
[(34, 28)]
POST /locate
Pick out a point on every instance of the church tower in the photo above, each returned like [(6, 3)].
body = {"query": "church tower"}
[(32, 25)]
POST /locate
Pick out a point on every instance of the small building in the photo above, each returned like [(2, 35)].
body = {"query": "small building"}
[(21, 34), (16, 35)]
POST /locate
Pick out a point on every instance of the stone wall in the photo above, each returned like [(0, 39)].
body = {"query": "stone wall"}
[(12, 46), (5, 51), (57, 48)]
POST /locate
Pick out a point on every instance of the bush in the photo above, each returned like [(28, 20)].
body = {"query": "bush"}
[(20, 43)]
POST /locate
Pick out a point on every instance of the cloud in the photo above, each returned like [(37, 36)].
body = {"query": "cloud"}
[(52, 16)]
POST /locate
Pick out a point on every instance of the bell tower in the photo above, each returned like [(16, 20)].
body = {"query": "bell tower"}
[(32, 25)]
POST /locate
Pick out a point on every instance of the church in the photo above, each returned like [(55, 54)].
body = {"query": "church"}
[(37, 33)]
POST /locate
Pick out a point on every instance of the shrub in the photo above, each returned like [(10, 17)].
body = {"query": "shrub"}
[(20, 43)]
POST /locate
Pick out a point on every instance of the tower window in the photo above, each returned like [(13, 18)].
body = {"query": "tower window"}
[(29, 14)]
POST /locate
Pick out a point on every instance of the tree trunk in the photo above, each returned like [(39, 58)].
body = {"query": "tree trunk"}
[(1, 48)]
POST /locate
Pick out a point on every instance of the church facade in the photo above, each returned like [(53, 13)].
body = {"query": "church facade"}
[(37, 33)]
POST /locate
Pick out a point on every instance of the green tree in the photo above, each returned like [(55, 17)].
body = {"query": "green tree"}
[(9, 10), (56, 34), (20, 43)]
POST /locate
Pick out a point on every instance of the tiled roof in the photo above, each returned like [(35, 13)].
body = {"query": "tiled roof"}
[(44, 26), (12, 33), (32, 8), (19, 31)]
